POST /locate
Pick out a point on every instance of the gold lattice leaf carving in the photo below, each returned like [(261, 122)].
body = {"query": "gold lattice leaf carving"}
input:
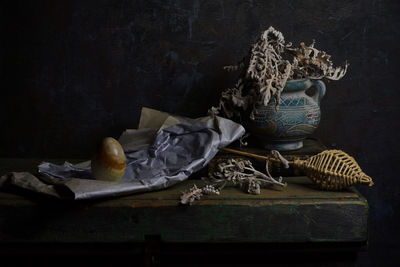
[(333, 170)]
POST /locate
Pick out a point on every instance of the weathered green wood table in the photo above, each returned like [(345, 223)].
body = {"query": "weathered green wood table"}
[(297, 225)]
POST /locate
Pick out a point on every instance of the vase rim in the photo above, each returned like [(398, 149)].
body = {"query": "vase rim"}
[(298, 80), (297, 85)]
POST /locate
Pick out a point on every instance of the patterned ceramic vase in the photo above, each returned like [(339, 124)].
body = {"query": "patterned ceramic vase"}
[(297, 117)]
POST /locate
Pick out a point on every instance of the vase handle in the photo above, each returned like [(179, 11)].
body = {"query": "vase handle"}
[(321, 89)]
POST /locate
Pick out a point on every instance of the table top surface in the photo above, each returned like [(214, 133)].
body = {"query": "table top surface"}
[(299, 213), (299, 190)]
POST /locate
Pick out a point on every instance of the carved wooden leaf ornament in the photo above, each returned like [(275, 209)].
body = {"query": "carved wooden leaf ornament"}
[(333, 170)]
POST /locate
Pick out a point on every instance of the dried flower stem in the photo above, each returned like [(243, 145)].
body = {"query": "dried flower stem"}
[(196, 193), (237, 172)]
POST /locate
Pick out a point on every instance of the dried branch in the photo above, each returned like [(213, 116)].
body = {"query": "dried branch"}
[(241, 172)]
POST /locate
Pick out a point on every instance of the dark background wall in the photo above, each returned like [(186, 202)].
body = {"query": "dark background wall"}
[(74, 72)]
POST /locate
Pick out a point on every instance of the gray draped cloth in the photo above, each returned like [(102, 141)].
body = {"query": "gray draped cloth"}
[(163, 151)]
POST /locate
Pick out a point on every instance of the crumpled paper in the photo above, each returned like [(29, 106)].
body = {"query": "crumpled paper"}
[(163, 151)]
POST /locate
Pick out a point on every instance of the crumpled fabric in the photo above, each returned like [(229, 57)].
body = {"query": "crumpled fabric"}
[(156, 159)]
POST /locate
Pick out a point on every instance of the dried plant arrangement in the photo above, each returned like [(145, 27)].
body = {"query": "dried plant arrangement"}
[(329, 170), (233, 172), (264, 72)]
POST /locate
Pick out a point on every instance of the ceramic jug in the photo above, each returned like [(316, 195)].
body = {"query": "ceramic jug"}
[(297, 117)]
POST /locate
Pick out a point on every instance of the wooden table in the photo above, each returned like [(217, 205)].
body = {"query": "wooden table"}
[(299, 225)]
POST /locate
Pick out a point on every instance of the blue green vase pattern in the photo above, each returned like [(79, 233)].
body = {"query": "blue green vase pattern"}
[(297, 117)]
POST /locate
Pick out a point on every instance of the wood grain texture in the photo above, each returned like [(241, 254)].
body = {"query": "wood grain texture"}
[(298, 214)]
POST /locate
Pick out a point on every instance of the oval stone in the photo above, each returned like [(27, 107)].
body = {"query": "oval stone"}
[(109, 162)]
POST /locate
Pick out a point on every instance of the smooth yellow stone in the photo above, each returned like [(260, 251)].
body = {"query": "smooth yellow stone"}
[(109, 162)]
